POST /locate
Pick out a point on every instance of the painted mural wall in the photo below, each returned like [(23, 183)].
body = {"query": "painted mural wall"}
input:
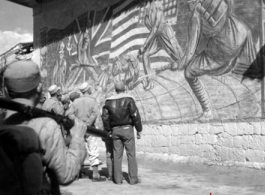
[(182, 60)]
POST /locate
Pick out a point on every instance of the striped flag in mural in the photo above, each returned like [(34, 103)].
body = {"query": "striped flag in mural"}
[(129, 31), (99, 33), (127, 36)]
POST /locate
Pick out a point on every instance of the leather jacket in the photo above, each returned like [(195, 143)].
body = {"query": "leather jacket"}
[(120, 110)]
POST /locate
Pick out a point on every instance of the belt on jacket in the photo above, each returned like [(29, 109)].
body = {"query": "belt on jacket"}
[(122, 126)]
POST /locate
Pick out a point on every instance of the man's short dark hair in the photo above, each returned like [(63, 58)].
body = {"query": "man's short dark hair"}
[(119, 87)]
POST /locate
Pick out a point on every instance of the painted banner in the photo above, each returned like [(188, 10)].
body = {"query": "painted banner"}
[(181, 60)]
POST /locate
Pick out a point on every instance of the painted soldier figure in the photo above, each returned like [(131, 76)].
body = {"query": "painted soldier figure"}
[(60, 65), (217, 41), (161, 36)]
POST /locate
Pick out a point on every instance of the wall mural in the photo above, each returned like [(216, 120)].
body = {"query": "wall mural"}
[(182, 60)]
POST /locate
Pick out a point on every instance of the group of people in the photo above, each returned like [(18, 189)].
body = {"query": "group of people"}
[(62, 161)]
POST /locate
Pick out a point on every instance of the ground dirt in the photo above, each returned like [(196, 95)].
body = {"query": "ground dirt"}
[(162, 178)]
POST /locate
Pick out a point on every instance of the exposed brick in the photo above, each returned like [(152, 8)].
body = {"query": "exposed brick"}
[(258, 142), (165, 130), (187, 139), (183, 150), (161, 150), (257, 128), (175, 140), (230, 128), (244, 128), (236, 154), (208, 151), (227, 140), (224, 154), (219, 140), (192, 149), (216, 129), (217, 152), (262, 130), (156, 130), (183, 129), (145, 149), (159, 141), (255, 156), (147, 130), (241, 142), (203, 128), (141, 141), (147, 141), (175, 130), (209, 139), (174, 150), (198, 139), (192, 129)]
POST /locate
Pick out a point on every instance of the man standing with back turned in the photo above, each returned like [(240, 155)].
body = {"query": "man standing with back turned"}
[(86, 109), (119, 115)]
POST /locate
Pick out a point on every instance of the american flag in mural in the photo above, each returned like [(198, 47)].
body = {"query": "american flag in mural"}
[(129, 31), (106, 35)]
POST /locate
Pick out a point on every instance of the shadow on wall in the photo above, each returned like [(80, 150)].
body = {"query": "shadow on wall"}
[(255, 70), (81, 23)]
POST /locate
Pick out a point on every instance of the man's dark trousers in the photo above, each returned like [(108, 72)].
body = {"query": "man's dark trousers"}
[(123, 136)]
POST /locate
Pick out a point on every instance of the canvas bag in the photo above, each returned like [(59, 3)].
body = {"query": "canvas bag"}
[(21, 169)]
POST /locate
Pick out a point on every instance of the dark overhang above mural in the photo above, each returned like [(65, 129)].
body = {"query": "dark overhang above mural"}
[(27, 3)]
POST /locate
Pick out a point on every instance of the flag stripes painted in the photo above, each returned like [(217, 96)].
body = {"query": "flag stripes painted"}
[(128, 35)]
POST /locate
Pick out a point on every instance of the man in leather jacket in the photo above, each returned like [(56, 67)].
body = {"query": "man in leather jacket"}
[(120, 115)]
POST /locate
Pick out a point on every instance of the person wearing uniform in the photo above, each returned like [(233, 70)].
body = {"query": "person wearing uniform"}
[(61, 165), (86, 109), (120, 115), (53, 104), (66, 103), (74, 95)]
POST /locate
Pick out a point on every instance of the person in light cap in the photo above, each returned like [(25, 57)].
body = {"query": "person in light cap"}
[(85, 87), (23, 84), (87, 109), (53, 104), (120, 114)]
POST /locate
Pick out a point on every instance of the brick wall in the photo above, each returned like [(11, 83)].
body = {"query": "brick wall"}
[(240, 143)]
